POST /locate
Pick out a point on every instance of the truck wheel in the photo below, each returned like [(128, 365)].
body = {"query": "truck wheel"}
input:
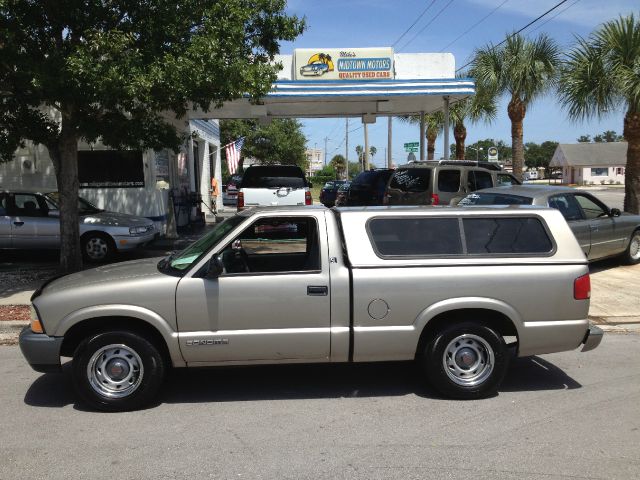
[(117, 371), (97, 247), (466, 361), (632, 255)]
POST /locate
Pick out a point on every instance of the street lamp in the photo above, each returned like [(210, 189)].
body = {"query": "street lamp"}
[(478, 150)]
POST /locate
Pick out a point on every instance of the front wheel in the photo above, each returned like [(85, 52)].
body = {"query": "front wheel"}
[(117, 371), (97, 247), (466, 361), (632, 255)]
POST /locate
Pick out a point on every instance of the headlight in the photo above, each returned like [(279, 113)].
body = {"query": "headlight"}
[(140, 230)]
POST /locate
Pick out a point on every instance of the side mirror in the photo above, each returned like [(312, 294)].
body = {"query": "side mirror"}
[(216, 267), (615, 212)]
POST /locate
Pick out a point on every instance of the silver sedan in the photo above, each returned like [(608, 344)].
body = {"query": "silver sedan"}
[(601, 231), (30, 220)]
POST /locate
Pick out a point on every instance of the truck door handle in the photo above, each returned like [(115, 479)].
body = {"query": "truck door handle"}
[(18, 224), (317, 290)]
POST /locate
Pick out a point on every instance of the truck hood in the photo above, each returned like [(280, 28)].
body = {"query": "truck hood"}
[(114, 219), (131, 271)]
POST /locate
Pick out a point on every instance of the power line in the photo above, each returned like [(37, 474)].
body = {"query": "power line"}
[(515, 33), (413, 24), (428, 23), (557, 14), (474, 25)]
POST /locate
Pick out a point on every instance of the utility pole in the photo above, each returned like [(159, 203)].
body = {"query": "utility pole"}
[(389, 142), (325, 151), (346, 150), (365, 163)]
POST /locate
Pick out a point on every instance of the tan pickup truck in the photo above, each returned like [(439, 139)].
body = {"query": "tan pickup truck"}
[(457, 289)]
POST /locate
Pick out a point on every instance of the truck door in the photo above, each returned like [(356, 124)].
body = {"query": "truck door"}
[(272, 302)]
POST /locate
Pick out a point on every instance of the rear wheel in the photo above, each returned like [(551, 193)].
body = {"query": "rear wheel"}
[(117, 371), (466, 361), (632, 255)]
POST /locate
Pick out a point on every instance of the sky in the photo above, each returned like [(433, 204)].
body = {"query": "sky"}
[(382, 23)]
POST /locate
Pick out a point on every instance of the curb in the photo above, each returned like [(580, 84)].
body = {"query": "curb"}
[(10, 330)]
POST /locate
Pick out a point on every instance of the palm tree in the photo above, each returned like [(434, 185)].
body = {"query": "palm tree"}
[(372, 151), (360, 153), (434, 125), (339, 164), (482, 106), (523, 69), (600, 75)]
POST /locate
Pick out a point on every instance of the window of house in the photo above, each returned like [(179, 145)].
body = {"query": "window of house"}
[(275, 244), (619, 170), (599, 172)]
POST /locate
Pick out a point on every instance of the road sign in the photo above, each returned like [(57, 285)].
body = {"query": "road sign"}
[(411, 146), (492, 153), (411, 149)]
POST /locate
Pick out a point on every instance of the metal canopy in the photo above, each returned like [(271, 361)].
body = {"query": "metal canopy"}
[(315, 99)]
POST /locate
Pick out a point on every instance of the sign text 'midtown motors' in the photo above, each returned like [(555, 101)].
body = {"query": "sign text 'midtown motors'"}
[(344, 64)]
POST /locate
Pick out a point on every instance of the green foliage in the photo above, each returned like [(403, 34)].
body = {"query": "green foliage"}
[(504, 151), (584, 139), (323, 176), (601, 73), (354, 169), (539, 155), (110, 69), (606, 136), (280, 142), (339, 164)]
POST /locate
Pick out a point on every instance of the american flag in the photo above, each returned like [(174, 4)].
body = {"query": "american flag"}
[(233, 150)]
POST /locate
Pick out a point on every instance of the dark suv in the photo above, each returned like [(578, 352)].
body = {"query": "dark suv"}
[(368, 187), (442, 182)]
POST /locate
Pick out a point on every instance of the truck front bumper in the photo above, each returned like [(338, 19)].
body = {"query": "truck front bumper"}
[(41, 351), (592, 338)]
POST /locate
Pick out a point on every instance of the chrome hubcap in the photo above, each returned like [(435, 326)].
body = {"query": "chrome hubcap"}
[(97, 248), (468, 360), (634, 247), (115, 371)]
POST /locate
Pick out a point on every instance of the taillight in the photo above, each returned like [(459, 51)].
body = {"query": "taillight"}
[(240, 200), (582, 287), (307, 198), (435, 199)]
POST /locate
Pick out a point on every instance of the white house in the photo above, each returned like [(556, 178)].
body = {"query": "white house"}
[(591, 163), (135, 182)]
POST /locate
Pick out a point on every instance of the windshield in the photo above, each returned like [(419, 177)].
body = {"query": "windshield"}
[(84, 206), (494, 199), (184, 259)]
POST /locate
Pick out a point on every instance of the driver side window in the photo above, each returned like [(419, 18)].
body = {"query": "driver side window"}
[(275, 244), (590, 208)]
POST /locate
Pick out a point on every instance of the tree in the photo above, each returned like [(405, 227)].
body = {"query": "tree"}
[(434, 123), (600, 76), (122, 71), (524, 70), (339, 164), (482, 106), (360, 153), (584, 139), (354, 169), (372, 152), (537, 156)]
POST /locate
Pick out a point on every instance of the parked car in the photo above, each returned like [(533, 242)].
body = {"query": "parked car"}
[(273, 185), (329, 192), (230, 190), (601, 231), (342, 194), (446, 287), (367, 188), (32, 220), (442, 182)]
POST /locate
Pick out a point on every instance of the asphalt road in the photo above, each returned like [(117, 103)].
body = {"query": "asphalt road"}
[(567, 415)]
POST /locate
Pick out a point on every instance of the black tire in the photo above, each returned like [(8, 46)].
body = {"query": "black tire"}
[(466, 361), (632, 253), (97, 247), (117, 371)]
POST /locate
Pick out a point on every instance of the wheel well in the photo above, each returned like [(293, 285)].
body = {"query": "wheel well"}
[(491, 318), (97, 233), (93, 326)]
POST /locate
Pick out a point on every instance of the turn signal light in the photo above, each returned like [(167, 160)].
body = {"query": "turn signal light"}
[(435, 199), (240, 200), (582, 287), (36, 326), (307, 198)]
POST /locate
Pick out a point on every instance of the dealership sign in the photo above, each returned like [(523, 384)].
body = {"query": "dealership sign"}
[(343, 64)]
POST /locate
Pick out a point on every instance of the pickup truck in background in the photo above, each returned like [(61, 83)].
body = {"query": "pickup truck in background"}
[(447, 287), (273, 185)]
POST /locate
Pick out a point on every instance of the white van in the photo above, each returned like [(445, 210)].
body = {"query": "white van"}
[(273, 185)]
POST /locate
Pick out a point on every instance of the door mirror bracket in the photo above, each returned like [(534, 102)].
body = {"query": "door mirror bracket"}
[(216, 267)]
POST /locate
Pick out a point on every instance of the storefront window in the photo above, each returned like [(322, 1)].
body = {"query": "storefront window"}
[(599, 172)]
